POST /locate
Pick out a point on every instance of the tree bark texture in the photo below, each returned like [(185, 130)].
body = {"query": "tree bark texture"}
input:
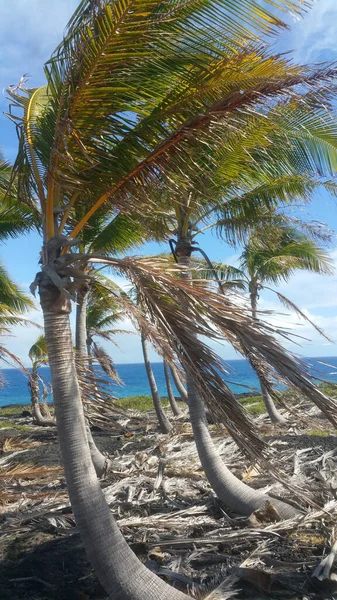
[(34, 387), (100, 462), (122, 575)]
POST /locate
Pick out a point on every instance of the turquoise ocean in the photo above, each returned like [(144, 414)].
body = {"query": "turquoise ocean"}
[(240, 376)]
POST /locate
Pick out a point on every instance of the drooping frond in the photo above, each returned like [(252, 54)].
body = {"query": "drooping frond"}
[(106, 362), (180, 312), (294, 308)]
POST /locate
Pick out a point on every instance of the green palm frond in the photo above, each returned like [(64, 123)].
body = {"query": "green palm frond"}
[(118, 235), (11, 297), (38, 351), (273, 255), (167, 76), (228, 275)]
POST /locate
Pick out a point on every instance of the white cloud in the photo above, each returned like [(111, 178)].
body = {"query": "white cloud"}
[(314, 37), (29, 31)]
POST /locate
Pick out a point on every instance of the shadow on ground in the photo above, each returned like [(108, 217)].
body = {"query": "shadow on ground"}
[(58, 570)]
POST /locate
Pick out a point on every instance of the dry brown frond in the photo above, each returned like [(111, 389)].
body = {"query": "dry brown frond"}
[(28, 471), (179, 312), (11, 444)]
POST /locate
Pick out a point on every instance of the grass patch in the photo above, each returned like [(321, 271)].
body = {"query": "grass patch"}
[(11, 425), (139, 402), (254, 405), (330, 389), (250, 400), (319, 432), (14, 409), (256, 409)]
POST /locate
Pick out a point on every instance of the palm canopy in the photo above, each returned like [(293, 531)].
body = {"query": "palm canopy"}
[(132, 90), (38, 353), (273, 255)]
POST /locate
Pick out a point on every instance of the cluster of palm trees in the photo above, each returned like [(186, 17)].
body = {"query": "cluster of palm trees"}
[(158, 121)]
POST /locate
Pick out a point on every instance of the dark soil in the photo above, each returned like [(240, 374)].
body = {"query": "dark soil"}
[(58, 569)]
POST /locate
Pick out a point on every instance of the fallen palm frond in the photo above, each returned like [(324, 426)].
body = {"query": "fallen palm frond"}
[(175, 520), (11, 444), (28, 471)]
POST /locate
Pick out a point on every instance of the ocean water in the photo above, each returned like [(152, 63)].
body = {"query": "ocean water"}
[(241, 378)]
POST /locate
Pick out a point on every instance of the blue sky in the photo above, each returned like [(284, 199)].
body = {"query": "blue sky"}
[(29, 31)]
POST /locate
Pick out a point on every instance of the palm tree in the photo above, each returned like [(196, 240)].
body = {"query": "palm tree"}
[(38, 355), (164, 423), (129, 91), (271, 255)]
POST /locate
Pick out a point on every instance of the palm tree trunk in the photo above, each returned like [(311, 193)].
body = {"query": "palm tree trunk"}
[(38, 417), (164, 423), (235, 494), (178, 383), (174, 406), (44, 406), (81, 326), (110, 555), (100, 462), (272, 411)]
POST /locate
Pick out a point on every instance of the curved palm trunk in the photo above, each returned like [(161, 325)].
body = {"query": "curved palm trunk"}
[(235, 494), (113, 560), (164, 423), (44, 406), (100, 462), (34, 387), (272, 411), (178, 383), (174, 406)]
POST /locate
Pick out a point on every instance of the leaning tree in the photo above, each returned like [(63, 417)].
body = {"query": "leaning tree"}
[(132, 89)]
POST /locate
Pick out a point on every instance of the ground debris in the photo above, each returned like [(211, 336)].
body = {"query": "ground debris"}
[(170, 516)]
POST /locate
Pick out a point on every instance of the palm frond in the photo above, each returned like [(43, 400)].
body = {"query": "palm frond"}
[(11, 297), (38, 353), (172, 79), (180, 312), (277, 252), (106, 362), (294, 308)]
